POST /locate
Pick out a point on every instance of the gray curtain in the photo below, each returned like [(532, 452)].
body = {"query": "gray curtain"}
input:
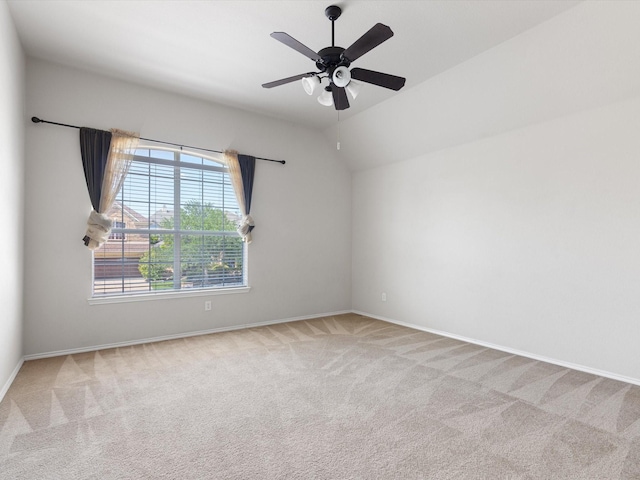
[(94, 149), (247, 169)]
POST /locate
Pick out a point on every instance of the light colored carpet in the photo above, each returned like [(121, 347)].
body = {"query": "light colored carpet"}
[(343, 397)]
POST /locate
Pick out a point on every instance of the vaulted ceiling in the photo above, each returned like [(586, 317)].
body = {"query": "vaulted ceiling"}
[(221, 51)]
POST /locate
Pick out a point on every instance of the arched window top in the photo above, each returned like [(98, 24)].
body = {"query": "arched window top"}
[(176, 155)]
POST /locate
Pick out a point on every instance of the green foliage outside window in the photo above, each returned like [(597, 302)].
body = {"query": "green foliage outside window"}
[(204, 259)]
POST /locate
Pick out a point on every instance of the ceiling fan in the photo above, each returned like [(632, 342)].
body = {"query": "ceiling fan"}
[(333, 63)]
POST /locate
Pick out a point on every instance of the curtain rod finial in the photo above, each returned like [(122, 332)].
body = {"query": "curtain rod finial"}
[(35, 120)]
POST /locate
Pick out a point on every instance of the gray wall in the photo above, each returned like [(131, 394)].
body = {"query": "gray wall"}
[(527, 240), (300, 259), (11, 195), (515, 222)]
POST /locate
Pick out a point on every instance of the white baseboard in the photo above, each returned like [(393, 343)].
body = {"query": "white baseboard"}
[(573, 366), (176, 336), (12, 377), (561, 363)]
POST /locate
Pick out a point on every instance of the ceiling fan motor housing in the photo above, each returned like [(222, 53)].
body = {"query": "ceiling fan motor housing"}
[(331, 59)]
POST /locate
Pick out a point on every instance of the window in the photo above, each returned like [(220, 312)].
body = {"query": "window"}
[(117, 234), (174, 228)]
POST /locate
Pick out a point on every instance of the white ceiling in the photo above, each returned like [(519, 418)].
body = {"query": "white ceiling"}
[(220, 50)]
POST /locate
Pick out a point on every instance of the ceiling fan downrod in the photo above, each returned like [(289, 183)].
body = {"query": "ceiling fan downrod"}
[(332, 56), (333, 13)]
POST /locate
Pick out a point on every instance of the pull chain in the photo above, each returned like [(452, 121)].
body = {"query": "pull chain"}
[(338, 132)]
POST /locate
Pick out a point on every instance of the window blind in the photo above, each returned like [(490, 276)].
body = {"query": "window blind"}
[(175, 223)]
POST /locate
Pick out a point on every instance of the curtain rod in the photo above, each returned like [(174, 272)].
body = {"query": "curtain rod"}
[(38, 120)]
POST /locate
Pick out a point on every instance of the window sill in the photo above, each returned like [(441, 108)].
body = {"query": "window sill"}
[(144, 297)]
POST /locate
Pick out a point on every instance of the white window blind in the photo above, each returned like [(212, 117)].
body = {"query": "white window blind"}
[(174, 228)]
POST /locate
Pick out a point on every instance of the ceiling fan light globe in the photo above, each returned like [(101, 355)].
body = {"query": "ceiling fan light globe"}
[(326, 98), (341, 77), (310, 83), (353, 88)]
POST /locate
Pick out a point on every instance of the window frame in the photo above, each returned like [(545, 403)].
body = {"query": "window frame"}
[(176, 292), (117, 232)]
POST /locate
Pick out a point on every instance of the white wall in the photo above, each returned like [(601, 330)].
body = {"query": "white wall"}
[(528, 240), (584, 58), (11, 195), (299, 261)]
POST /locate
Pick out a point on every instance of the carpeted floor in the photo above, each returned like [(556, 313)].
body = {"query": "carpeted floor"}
[(343, 397)]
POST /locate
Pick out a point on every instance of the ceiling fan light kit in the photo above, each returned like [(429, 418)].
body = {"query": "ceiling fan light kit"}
[(333, 64), (353, 88), (341, 76), (310, 83), (326, 97)]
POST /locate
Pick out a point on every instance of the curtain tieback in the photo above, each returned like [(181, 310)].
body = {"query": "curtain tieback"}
[(245, 227), (98, 230)]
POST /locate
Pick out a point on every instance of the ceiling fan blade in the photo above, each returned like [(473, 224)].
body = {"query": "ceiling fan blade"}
[(282, 81), (289, 41), (375, 36), (381, 79), (340, 99)]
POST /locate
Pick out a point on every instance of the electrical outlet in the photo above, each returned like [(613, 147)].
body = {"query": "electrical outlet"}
[(207, 305), (384, 297)]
